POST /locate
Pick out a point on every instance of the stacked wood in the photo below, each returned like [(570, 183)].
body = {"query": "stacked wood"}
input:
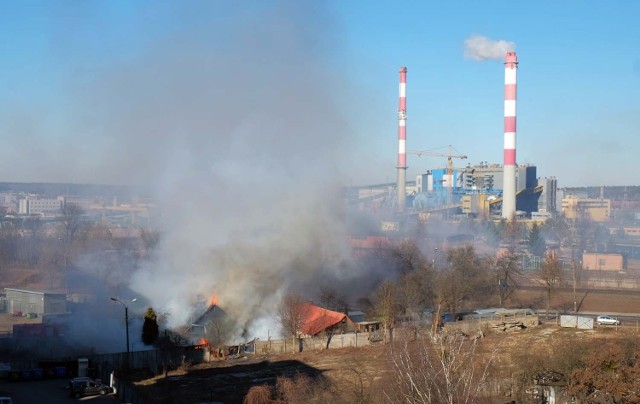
[(505, 326)]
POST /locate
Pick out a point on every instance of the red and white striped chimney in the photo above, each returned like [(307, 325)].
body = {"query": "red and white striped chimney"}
[(509, 176), (402, 141)]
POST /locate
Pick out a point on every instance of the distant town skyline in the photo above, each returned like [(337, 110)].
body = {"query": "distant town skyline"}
[(139, 92)]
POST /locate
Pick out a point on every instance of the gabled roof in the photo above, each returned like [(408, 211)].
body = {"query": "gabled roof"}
[(316, 319)]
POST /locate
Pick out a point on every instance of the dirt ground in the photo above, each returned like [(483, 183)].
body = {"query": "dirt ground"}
[(354, 373), (589, 301)]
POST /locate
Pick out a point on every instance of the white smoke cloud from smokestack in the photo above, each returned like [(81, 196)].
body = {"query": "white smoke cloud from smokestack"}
[(479, 47)]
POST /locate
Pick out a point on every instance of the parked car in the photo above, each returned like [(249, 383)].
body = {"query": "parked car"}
[(607, 320), (84, 387)]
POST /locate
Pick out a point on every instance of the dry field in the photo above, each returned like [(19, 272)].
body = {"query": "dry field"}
[(361, 374), (590, 301)]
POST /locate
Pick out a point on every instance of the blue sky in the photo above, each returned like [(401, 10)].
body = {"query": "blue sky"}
[(73, 75)]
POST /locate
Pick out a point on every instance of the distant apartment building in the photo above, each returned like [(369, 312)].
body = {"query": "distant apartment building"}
[(33, 205), (598, 210), (603, 261), (9, 202)]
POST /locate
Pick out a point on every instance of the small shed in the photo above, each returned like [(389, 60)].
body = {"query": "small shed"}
[(35, 302)]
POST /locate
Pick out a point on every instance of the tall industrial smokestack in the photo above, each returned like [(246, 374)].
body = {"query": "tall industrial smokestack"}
[(509, 179), (402, 140)]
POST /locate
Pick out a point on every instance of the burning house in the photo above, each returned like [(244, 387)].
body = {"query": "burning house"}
[(213, 327)]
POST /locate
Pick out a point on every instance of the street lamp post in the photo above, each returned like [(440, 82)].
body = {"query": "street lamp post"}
[(126, 322), (433, 260), (573, 267)]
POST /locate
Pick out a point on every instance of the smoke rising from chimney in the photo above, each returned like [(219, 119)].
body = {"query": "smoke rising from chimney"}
[(480, 48)]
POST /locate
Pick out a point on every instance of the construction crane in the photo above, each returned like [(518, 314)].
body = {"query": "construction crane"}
[(450, 156)]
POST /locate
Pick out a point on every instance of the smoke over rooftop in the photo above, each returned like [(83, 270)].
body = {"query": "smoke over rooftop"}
[(239, 130), (480, 48)]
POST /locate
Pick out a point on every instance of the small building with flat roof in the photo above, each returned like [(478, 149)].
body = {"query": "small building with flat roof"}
[(23, 301)]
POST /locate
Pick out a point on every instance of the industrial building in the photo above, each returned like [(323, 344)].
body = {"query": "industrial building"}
[(491, 190), (598, 210), (506, 190), (478, 190), (21, 301), (482, 177)]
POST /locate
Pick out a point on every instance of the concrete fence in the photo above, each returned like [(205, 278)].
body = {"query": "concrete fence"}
[(317, 343)]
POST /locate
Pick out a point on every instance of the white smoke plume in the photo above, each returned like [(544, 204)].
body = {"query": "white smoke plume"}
[(478, 47), (239, 129), (237, 118)]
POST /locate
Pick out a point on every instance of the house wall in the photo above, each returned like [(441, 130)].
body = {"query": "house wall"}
[(603, 262)]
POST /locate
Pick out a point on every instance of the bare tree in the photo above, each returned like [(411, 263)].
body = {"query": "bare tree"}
[(550, 275), (462, 279), (407, 257), (30, 242), (415, 292), (71, 223), (556, 228), (413, 288), (506, 268), (514, 232), (386, 307), (437, 370), (291, 313), (452, 290), (331, 299), (9, 237)]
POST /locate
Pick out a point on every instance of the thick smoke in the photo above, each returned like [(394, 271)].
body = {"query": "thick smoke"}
[(478, 47), (236, 117), (240, 130)]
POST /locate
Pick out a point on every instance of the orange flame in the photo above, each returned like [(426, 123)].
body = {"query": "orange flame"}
[(213, 300), (203, 341)]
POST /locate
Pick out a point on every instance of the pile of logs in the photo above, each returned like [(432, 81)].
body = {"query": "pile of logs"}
[(504, 326)]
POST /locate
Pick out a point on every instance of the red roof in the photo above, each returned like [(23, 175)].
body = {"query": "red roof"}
[(316, 319)]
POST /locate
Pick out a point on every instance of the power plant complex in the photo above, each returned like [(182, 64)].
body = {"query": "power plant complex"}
[(499, 191)]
